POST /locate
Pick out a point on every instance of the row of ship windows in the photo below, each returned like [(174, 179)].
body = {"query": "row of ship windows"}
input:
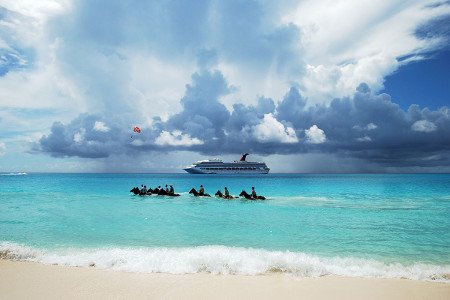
[(230, 168)]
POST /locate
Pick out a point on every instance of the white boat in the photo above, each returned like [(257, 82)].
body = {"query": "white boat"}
[(217, 166)]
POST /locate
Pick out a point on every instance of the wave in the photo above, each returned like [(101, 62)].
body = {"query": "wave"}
[(13, 174), (222, 260)]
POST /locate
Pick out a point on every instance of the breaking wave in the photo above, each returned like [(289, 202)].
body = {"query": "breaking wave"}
[(222, 260), (13, 174)]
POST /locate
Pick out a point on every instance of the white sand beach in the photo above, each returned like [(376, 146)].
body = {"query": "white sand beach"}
[(28, 280)]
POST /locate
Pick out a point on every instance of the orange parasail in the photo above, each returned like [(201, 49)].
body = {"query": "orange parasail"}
[(137, 129)]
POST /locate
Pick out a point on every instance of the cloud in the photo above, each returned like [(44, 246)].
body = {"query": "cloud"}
[(262, 48), (176, 138), (11, 59), (80, 138), (364, 139), (100, 126), (206, 126), (423, 126), (213, 71), (371, 126), (368, 127), (339, 55), (270, 130), (315, 135)]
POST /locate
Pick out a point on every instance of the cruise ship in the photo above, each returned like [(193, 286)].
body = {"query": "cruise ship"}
[(217, 166)]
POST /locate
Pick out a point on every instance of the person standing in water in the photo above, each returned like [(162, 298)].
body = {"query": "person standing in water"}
[(201, 191), (171, 190)]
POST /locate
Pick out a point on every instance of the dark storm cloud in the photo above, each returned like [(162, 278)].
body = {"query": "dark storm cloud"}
[(244, 116), (374, 128), (203, 115), (367, 127), (86, 136)]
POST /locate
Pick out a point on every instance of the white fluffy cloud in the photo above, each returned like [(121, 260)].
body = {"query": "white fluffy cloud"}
[(315, 135), (271, 130), (345, 42), (371, 126), (423, 126), (176, 138), (78, 137), (100, 126), (364, 139)]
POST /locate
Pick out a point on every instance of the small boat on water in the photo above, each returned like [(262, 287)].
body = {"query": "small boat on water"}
[(217, 166)]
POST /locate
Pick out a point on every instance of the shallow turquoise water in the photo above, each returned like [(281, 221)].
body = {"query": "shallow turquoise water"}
[(320, 222)]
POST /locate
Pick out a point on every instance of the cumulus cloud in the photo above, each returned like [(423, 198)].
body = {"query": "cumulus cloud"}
[(423, 126), (100, 126), (315, 135), (176, 138), (371, 126), (205, 125), (364, 139), (271, 130), (79, 138)]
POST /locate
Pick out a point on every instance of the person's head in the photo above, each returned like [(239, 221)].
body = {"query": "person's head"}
[(145, 186), (142, 185), (159, 186), (171, 185), (166, 185), (201, 185), (226, 188), (253, 187)]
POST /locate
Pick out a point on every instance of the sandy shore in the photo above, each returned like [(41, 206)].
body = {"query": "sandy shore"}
[(26, 280)]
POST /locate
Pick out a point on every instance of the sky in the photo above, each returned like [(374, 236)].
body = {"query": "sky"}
[(306, 86)]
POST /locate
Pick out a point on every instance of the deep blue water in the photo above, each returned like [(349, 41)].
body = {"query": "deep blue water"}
[(383, 225)]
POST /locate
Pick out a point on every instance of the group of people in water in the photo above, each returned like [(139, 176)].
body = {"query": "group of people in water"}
[(169, 191)]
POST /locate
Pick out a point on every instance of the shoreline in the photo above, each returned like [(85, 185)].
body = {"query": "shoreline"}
[(23, 279)]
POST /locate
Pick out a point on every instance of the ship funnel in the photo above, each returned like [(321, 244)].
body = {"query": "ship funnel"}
[(244, 156)]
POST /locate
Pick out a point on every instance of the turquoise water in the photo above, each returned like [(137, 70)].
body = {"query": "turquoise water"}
[(377, 225)]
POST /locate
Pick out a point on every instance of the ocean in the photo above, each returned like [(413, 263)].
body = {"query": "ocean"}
[(365, 225)]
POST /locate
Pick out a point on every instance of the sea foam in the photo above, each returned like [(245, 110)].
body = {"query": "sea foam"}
[(13, 174), (223, 260)]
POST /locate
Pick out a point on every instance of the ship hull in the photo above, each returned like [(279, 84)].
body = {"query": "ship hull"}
[(193, 170)]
